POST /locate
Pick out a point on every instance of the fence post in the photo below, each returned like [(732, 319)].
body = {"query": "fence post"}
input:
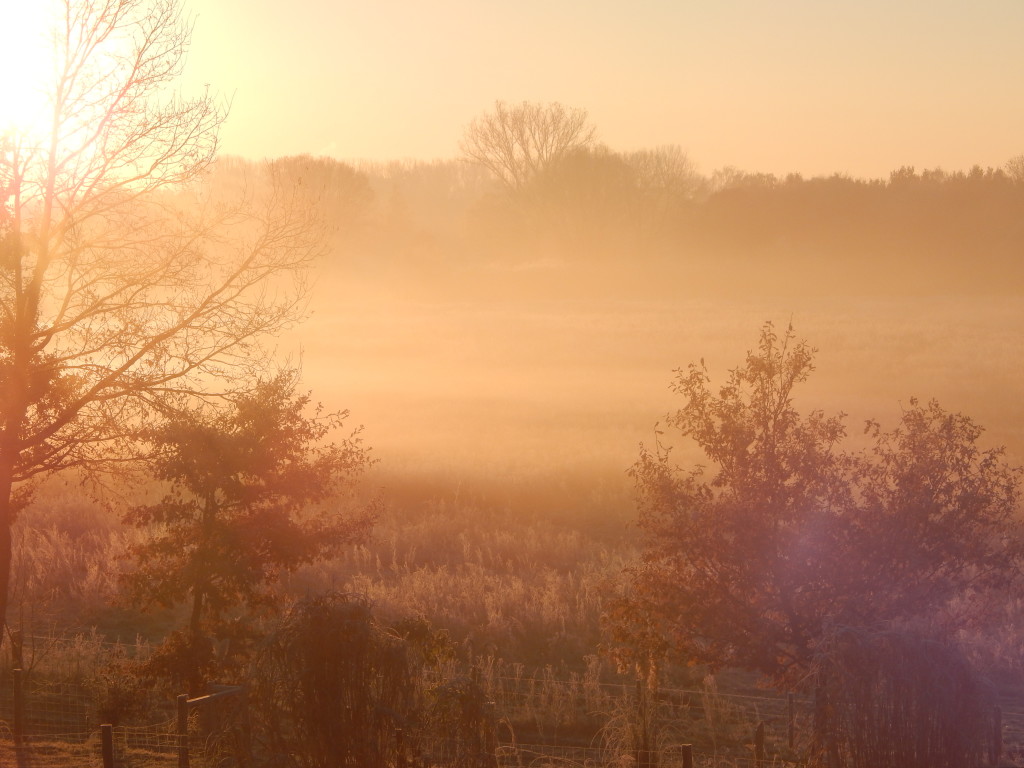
[(791, 730), (644, 753), (17, 644), (19, 703), (759, 745), (997, 735), (687, 750), (183, 731), (107, 739)]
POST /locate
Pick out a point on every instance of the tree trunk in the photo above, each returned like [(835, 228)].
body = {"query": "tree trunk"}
[(201, 585), (6, 521), (5, 563), (195, 621), (196, 642), (18, 328)]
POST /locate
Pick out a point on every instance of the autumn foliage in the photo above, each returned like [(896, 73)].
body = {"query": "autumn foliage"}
[(251, 491), (754, 560)]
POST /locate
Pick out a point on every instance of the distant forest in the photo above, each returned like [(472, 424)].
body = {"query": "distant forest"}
[(648, 223)]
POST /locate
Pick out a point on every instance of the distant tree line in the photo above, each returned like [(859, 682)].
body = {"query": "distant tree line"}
[(534, 185)]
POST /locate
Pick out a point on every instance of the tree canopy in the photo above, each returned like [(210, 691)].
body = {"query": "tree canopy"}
[(753, 561), (251, 491), (517, 142)]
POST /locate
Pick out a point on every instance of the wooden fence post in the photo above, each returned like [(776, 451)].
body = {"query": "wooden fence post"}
[(997, 735), (687, 750), (791, 729), (183, 731), (645, 755), (399, 749), (17, 644), (759, 745), (19, 704), (107, 740)]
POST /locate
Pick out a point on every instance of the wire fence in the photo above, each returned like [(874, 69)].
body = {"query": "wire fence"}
[(590, 715), (539, 720), (59, 725)]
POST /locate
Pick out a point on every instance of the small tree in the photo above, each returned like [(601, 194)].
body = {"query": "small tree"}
[(252, 492), (517, 142), (728, 561), (791, 538)]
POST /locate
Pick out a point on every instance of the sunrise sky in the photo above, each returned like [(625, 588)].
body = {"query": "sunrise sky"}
[(794, 85)]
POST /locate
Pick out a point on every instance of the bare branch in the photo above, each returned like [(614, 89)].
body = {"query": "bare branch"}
[(119, 281), (518, 142)]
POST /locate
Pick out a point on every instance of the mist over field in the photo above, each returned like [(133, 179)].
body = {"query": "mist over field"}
[(541, 388), (481, 344)]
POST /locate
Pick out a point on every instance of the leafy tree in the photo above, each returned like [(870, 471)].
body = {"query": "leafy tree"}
[(252, 491), (517, 142), (110, 292), (790, 536)]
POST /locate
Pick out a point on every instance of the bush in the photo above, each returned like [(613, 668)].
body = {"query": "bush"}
[(898, 697), (332, 685)]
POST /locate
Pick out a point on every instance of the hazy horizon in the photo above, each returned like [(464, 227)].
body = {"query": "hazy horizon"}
[(797, 86)]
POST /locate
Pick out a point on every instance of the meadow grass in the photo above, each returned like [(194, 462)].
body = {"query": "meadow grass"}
[(498, 390)]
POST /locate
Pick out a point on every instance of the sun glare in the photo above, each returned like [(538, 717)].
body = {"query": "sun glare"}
[(27, 63)]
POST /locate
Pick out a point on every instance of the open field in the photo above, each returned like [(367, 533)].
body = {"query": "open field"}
[(516, 391)]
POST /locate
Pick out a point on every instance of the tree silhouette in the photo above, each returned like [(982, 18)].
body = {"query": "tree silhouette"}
[(252, 491), (111, 294), (790, 536), (517, 142)]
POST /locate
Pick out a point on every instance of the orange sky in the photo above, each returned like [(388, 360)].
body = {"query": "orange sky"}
[(814, 86)]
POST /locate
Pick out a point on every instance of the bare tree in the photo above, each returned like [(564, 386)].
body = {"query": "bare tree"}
[(666, 173), (1015, 168), (666, 181), (114, 288), (518, 142)]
